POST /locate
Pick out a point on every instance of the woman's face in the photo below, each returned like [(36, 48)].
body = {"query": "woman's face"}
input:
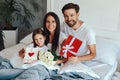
[(39, 40), (50, 24)]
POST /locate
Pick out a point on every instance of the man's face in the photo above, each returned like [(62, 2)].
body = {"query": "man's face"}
[(71, 17)]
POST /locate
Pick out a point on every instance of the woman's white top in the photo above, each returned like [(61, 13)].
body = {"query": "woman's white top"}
[(62, 37)]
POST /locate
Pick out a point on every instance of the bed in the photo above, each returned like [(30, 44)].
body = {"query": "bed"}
[(104, 65)]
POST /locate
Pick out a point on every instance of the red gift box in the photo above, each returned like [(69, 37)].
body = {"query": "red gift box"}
[(70, 47)]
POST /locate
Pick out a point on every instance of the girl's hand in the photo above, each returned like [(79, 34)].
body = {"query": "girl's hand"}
[(21, 53)]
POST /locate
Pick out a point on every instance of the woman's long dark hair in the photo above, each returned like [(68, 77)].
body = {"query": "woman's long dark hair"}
[(55, 40)]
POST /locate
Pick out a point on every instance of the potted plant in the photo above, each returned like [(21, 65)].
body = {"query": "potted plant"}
[(15, 11)]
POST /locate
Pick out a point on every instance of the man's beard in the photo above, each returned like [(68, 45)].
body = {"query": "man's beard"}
[(71, 24)]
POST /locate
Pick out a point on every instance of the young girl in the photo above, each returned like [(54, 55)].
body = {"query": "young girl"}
[(38, 37)]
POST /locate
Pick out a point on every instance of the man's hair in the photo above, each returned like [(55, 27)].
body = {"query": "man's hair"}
[(70, 6)]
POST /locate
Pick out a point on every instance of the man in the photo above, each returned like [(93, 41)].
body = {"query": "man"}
[(80, 30)]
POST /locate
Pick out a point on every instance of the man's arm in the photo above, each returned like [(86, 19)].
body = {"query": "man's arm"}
[(91, 55)]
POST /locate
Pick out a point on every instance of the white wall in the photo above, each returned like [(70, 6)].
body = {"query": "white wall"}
[(102, 15)]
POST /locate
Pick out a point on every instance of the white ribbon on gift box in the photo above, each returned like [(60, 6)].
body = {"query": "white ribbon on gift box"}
[(68, 47)]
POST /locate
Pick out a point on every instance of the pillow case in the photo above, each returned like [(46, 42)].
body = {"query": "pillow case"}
[(107, 50), (27, 39)]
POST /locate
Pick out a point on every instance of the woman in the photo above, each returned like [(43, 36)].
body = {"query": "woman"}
[(54, 38)]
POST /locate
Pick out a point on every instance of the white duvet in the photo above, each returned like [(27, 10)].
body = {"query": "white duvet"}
[(96, 69), (104, 67)]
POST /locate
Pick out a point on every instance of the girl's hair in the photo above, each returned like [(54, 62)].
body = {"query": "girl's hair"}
[(55, 40), (37, 31)]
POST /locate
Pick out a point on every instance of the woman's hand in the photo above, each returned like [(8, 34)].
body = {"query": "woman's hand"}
[(73, 59), (61, 61), (58, 61)]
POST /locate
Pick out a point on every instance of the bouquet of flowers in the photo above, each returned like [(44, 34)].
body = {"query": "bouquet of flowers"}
[(47, 58)]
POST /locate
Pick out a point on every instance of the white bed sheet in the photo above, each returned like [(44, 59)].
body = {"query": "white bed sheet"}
[(105, 71), (11, 53)]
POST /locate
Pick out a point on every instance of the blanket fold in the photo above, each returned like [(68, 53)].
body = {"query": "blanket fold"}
[(40, 72), (7, 72), (5, 63)]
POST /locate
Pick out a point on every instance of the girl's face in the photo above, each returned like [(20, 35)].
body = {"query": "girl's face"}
[(39, 40), (50, 24)]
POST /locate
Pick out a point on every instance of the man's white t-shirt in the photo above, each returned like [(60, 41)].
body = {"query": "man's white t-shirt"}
[(62, 37), (84, 33)]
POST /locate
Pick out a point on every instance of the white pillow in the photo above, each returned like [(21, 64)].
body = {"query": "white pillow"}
[(27, 39), (107, 50)]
